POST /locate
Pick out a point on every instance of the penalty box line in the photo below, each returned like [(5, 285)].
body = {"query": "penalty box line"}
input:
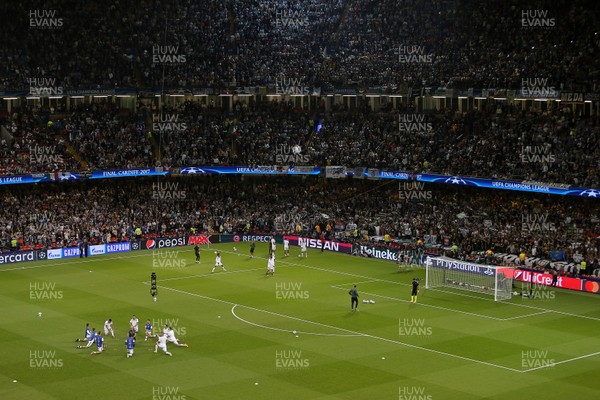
[(372, 279), (439, 307), (442, 291), (412, 346)]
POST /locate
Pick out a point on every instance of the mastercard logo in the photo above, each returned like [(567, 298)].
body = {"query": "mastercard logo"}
[(592, 286)]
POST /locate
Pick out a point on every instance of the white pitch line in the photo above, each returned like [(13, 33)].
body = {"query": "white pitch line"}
[(371, 279), (443, 308), (527, 315), (350, 331), (211, 274), (426, 305), (443, 291), (562, 362), (287, 330), (80, 261)]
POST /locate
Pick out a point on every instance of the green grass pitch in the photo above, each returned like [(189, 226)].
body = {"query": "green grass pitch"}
[(240, 325)]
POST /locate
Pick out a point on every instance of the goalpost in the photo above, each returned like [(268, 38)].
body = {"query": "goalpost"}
[(486, 279)]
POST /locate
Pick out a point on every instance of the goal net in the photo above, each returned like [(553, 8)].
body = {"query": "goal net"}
[(487, 279)]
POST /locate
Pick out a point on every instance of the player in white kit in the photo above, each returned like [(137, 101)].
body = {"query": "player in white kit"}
[(108, 328), (162, 344), (133, 324), (172, 339), (303, 244), (271, 265), (218, 263), (286, 247)]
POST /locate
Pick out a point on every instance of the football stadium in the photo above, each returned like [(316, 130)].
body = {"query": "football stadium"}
[(315, 199)]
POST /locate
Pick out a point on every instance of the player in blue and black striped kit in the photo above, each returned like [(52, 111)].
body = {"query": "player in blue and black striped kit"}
[(99, 344), (91, 339), (148, 328), (130, 343), (86, 335)]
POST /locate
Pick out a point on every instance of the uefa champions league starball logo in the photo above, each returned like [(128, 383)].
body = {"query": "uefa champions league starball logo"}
[(192, 170), (455, 180), (590, 193)]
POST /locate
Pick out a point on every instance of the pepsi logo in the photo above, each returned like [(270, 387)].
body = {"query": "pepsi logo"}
[(150, 244)]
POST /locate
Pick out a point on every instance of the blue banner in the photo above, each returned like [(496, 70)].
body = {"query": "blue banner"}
[(521, 186), (261, 170), (524, 186), (118, 247), (124, 173), (70, 252), (17, 179), (451, 264)]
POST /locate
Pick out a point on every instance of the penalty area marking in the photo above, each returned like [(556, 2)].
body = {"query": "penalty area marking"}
[(412, 346), (288, 330), (443, 308)]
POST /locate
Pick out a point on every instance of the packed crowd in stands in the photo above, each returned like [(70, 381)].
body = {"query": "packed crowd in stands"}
[(107, 138), (492, 142), (326, 43), (474, 220), (33, 144)]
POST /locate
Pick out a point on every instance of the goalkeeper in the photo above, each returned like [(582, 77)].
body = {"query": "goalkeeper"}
[(415, 290)]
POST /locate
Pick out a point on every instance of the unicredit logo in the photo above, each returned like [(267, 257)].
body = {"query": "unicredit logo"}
[(518, 274), (150, 244), (236, 238)]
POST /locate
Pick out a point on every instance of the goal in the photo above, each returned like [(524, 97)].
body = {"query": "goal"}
[(487, 279)]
